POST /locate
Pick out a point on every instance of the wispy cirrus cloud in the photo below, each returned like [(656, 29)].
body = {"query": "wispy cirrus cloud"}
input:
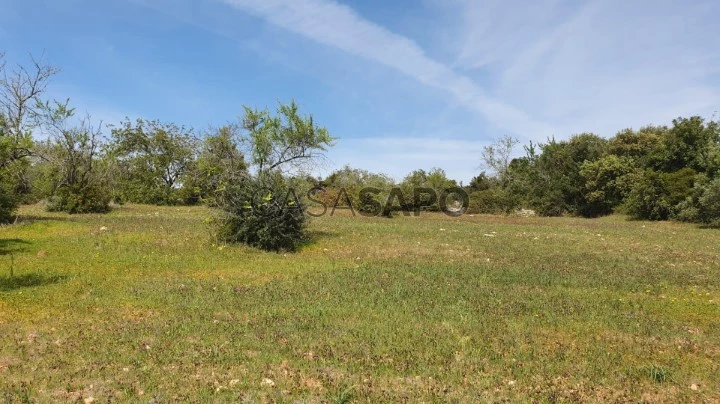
[(333, 24), (597, 65), (526, 68)]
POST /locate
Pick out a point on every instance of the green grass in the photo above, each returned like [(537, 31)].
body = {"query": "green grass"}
[(405, 309)]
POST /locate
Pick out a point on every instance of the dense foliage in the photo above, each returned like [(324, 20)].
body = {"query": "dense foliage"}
[(75, 171), (219, 165), (21, 91), (263, 212), (654, 173), (152, 160), (262, 209)]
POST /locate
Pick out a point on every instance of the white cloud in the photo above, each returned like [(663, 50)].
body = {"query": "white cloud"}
[(336, 25), (598, 66), (496, 31), (532, 68)]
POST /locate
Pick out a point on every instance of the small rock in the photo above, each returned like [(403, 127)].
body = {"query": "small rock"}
[(526, 213), (89, 400), (103, 228), (268, 382), (511, 383), (694, 387)]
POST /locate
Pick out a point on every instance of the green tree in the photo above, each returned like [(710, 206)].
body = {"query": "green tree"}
[(656, 195), (413, 184), (152, 159), (283, 141), (691, 143), (710, 202), (480, 182), (642, 147), (606, 182), (352, 181), (219, 164), (21, 92), (554, 183), (76, 172), (497, 157), (262, 211)]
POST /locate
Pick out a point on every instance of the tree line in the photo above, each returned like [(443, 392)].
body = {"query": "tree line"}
[(48, 152), (653, 173)]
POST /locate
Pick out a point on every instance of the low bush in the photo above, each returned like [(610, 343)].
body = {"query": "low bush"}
[(656, 196), (8, 204), (263, 213), (704, 204), (80, 199), (493, 201)]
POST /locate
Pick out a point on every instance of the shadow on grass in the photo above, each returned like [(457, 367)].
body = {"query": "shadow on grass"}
[(13, 245), (314, 236), (30, 219), (10, 283)]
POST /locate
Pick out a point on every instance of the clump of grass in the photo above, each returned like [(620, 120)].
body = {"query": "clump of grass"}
[(658, 374), (344, 396)]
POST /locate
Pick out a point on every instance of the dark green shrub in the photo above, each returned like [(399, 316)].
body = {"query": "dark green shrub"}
[(646, 198), (263, 210), (655, 196), (8, 204), (493, 201), (704, 204), (605, 185), (480, 182), (264, 214), (370, 204), (551, 205), (709, 204), (80, 199)]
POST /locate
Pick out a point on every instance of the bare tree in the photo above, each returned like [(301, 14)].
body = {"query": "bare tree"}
[(79, 182), (20, 91), (496, 157)]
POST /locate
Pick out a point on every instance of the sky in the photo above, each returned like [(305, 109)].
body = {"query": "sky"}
[(402, 84)]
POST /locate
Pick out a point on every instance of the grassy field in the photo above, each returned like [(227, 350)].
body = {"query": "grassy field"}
[(142, 305)]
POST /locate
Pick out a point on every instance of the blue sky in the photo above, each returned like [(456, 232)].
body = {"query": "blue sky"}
[(403, 84)]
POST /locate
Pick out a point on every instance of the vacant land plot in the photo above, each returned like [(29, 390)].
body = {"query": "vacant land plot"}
[(141, 304)]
